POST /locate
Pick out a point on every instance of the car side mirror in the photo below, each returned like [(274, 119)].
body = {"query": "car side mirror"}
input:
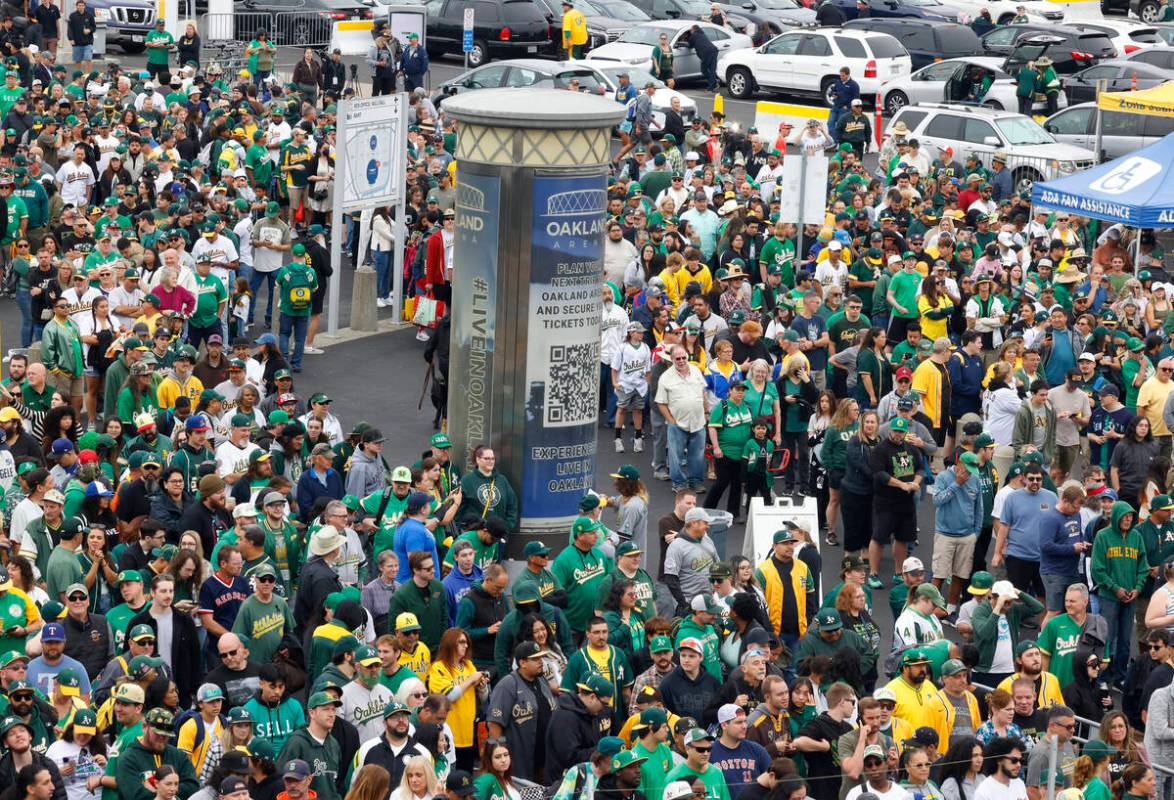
[(991, 141), (672, 12), (450, 90)]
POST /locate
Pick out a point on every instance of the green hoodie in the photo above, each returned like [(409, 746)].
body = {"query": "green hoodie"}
[(324, 758), (507, 635), (493, 495), (136, 762), (1118, 560)]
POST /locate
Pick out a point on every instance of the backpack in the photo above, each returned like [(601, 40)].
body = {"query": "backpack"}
[(201, 728), (298, 294)]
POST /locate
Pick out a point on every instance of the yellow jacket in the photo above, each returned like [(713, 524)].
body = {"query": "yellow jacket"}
[(919, 706), (574, 28), (951, 714), (463, 712), (1049, 689), (772, 585), (931, 383), (170, 389), (685, 277)]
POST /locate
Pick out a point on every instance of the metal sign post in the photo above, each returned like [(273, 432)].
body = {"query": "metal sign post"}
[(467, 36), (369, 173)]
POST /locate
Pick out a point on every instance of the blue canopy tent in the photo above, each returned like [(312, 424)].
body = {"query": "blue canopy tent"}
[(1134, 190)]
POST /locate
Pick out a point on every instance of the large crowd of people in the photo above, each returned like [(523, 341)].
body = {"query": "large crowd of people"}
[(212, 587)]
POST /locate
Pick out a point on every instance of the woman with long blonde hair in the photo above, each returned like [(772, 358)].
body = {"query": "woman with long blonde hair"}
[(418, 781)]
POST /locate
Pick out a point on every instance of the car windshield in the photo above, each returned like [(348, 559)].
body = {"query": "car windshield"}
[(922, 3), (646, 34), (587, 79), (697, 9), (1167, 35), (620, 10), (779, 5), (638, 77), (1023, 130)]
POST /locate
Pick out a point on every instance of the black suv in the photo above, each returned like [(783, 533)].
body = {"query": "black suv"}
[(927, 41), (501, 29), (1075, 50)]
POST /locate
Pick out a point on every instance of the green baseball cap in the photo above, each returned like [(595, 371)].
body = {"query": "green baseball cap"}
[(596, 684), (583, 525), (830, 620), (952, 667), (970, 461), (981, 583), (660, 644)]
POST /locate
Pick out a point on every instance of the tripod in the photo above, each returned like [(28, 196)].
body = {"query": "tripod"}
[(353, 82)]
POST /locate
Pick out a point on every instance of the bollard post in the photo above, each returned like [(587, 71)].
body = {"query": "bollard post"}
[(363, 294)]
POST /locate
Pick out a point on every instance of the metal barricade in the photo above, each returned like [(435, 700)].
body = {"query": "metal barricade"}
[(240, 27), (304, 28)]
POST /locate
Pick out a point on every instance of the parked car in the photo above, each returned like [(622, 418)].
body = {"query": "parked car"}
[(808, 61), (950, 81), (1071, 52), (790, 12), (129, 21), (1003, 11), (926, 41), (1116, 76), (517, 73), (1147, 11), (921, 9), (602, 27), (1128, 37), (1162, 57), (608, 78), (1032, 153), (634, 47), (1121, 133), (501, 29)]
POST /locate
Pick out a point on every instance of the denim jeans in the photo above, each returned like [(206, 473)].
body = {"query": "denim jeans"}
[(607, 393), (686, 456), (1120, 618), (256, 278), (24, 302), (834, 117), (298, 327), (382, 272), (659, 439)]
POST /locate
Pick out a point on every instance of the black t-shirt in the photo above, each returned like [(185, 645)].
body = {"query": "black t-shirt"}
[(823, 765), (542, 721), (238, 687), (1033, 725), (790, 618)]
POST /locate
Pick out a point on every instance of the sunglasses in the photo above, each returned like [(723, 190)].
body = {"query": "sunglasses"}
[(78, 598), (700, 749), (229, 653), (266, 579)]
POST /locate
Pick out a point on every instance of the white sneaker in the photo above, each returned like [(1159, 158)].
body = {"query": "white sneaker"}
[(380, 303), (619, 445), (314, 351), (638, 445), (422, 335)]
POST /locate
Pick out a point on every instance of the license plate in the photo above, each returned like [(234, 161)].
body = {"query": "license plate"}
[(532, 48), (136, 38)]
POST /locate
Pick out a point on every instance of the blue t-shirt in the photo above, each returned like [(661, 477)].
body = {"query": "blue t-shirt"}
[(1061, 360), (1021, 513), (224, 600), (410, 537), (43, 676), (812, 329), (740, 766), (1057, 534)]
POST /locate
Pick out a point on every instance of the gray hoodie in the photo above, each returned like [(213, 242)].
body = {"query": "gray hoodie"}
[(365, 474)]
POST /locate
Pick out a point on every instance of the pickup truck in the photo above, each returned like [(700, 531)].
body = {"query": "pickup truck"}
[(127, 21)]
